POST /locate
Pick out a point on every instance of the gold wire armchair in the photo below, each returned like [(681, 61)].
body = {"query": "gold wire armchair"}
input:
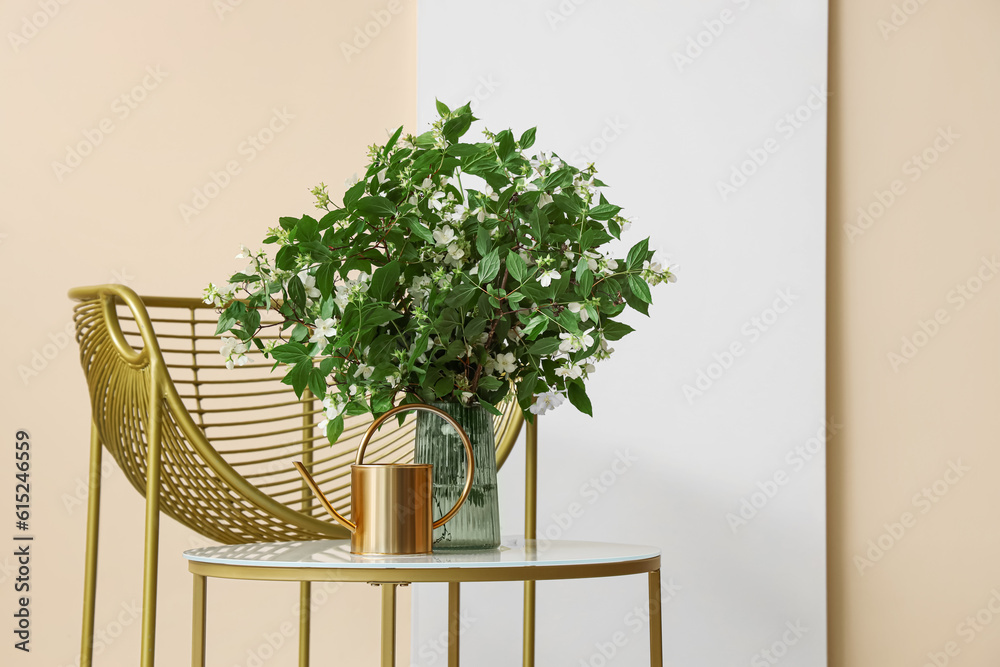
[(209, 446)]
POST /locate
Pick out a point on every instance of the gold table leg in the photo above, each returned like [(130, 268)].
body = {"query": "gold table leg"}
[(388, 625), (454, 622), (655, 621), (90, 568), (305, 611), (530, 528), (198, 622)]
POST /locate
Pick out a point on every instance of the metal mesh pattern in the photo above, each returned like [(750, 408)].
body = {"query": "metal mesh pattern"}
[(228, 437)]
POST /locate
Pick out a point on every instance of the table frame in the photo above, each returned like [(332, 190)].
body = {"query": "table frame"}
[(389, 578)]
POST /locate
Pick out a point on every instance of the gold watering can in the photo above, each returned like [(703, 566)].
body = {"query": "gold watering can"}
[(391, 503)]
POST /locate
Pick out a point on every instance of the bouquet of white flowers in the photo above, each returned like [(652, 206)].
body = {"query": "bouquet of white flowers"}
[(451, 272)]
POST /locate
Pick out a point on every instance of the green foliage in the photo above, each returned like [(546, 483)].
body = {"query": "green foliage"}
[(454, 270)]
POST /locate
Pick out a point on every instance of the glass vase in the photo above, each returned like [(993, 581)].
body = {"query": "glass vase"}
[(477, 524)]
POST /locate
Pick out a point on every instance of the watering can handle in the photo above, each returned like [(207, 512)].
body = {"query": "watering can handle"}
[(470, 464)]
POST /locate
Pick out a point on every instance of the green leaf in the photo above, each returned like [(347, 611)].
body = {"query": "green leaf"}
[(638, 254), (483, 241), (544, 346), (378, 316), (376, 207), (419, 229), (516, 266), (490, 383), (326, 276), (489, 266), (226, 322), (297, 292), (568, 204), (442, 108), (616, 330), (604, 211), (454, 128), (615, 229), (392, 140), (307, 229), (334, 428), (536, 325), (586, 282), (490, 408), (298, 376), (290, 353), (640, 288), (317, 383), (285, 259), (385, 281), (578, 397), (353, 193), (443, 387), (527, 139), (505, 144), (526, 388)]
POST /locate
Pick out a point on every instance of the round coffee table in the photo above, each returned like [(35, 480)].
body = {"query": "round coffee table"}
[(517, 559)]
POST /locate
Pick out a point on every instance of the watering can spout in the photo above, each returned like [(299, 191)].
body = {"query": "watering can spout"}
[(341, 519)]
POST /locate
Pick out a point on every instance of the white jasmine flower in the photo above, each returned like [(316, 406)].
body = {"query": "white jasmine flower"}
[(244, 252), (547, 277), (456, 251), (457, 214), (546, 401), (505, 362), (309, 283), (579, 309), (444, 235), (334, 406), (364, 370), (351, 180), (491, 194), (323, 330), (436, 201), (233, 351), (212, 295), (571, 372), (574, 343), (467, 397)]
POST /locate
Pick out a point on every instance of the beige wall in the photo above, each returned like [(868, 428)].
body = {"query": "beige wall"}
[(116, 217), (904, 426)]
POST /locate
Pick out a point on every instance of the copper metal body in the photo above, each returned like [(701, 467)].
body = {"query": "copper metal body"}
[(392, 503)]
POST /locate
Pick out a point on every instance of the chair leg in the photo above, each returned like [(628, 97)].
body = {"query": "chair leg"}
[(90, 567), (199, 621), (305, 616), (152, 531)]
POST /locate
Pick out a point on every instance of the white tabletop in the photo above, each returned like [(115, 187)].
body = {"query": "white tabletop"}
[(513, 552)]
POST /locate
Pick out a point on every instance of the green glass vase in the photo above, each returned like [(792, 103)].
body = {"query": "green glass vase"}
[(477, 524)]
